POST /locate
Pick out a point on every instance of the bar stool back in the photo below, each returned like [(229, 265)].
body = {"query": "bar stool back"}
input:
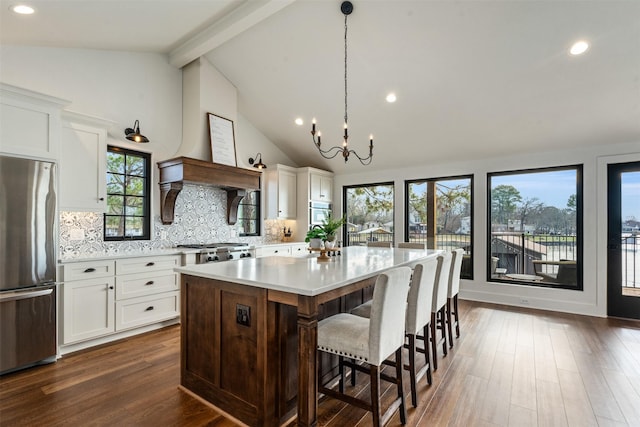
[(452, 297), (438, 308), (371, 341)]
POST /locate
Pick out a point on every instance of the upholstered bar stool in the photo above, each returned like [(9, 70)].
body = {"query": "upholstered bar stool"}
[(452, 296), (379, 244), (438, 307), (411, 245), (371, 341), (419, 302)]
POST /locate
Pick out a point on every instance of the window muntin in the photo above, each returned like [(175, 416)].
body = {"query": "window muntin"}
[(249, 214), (128, 195), (369, 212), (535, 227), (446, 203)]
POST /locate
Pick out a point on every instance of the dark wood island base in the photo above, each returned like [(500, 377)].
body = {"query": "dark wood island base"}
[(240, 347)]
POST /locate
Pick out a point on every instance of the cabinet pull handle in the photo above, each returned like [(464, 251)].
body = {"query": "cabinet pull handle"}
[(149, 308), (90, 270), (151, 264), (150, 282)]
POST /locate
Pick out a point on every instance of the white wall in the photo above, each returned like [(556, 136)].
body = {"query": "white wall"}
[(126, 86), (592, 300)]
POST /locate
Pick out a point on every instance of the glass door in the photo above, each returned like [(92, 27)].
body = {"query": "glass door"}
[(623, 248)]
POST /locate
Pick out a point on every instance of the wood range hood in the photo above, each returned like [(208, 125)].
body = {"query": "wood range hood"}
[(174, 173)]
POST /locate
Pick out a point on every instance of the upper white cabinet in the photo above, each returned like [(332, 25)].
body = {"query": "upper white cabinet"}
[(281, 187), (321, 187), (83, 152), (29, 123), (315, 187)]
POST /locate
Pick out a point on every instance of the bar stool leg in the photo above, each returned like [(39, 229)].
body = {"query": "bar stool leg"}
[(449, 328)]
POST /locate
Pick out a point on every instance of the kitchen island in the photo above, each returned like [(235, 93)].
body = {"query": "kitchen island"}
[(249, 328)]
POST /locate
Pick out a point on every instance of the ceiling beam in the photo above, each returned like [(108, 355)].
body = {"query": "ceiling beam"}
[(240, 19)]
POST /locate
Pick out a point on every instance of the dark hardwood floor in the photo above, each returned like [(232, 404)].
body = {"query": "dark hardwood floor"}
[(510, 367)]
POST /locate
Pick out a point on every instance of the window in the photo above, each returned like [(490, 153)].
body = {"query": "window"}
[(438, 212), (128, 194), (369, 212), (535, 227), (249, 214)]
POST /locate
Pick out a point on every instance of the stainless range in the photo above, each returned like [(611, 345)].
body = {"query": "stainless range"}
[(218, 252)]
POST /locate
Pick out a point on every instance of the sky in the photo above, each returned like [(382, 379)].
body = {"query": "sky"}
[(553, 188), (631, 195)]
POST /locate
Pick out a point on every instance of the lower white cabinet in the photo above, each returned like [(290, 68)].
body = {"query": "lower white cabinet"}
[(88, 309), (283, 249), (108, 296)]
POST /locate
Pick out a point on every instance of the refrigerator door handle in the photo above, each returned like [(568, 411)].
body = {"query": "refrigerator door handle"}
[(15, 296)]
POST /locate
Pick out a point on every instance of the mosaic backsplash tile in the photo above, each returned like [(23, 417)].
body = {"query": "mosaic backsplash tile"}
[(200, 217)]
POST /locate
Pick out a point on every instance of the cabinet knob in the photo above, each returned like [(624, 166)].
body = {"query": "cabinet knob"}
[(101, 199), (150, 282), (90, 270), (151, 264), (110, 287), (149, 308), (275, 252)]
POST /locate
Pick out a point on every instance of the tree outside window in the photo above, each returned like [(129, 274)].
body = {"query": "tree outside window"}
[(128, 189), (438, 212), (369, 213), (535, 221)]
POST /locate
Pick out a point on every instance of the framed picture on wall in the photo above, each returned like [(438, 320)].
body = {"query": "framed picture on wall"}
[(223, 140)]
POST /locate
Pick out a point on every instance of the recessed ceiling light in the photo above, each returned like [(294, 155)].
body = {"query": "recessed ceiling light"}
[(579, 47), (22, 9), (391, 97), (299, 121)]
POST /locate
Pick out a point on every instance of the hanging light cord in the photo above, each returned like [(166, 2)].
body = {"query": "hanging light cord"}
[(344, 149)]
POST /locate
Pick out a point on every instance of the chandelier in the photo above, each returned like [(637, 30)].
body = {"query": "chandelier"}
[(346, 8)]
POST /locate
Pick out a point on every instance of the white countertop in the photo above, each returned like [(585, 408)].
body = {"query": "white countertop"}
[(305, 275), (129, 254)]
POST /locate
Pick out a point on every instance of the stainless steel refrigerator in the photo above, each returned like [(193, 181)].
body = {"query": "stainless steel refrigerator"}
[(27, 263)]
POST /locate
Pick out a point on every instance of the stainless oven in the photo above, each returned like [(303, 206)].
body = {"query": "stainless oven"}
[(317, 212)]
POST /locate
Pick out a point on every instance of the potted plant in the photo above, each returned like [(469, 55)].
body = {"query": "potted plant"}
[(330, 225), (315, 236)]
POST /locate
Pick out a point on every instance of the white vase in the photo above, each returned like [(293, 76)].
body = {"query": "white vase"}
[(315, 243), (329, 244)]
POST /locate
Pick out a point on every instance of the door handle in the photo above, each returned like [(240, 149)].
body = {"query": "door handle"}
[(18, 295)]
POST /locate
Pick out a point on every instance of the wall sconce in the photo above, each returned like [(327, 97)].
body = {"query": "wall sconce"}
[(134, 134), (258, 162)]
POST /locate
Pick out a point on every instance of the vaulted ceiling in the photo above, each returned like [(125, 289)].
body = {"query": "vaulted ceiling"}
[(473, 79)]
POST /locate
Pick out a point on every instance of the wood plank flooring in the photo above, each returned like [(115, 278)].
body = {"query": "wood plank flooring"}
[(510, 367)]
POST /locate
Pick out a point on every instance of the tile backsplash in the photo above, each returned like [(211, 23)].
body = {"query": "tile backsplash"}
[(200, 217)]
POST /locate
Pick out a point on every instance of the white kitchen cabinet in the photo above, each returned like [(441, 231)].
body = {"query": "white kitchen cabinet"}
[(105, 297), (314, 186), (282, 249), (281, 187), (29, 123), (88, 296), (321, 187), (83, 162), (299, 249)]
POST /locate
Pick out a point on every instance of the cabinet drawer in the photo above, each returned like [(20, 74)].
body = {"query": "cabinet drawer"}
[(145, 310), (274, 251), (139, 284), (87, 270), (146, 264), (299, 250)]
